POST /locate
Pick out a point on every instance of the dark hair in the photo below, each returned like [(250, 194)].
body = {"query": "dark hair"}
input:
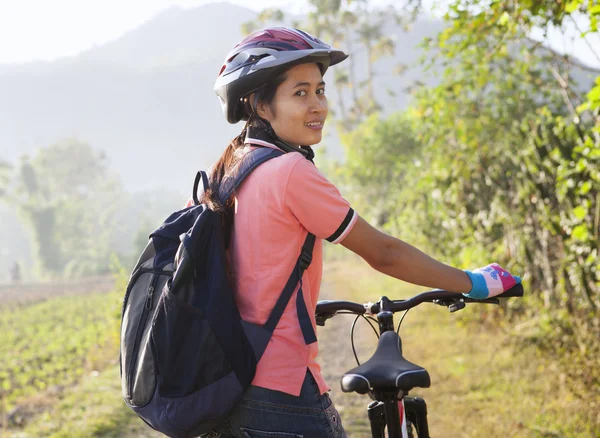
[(232, 154)]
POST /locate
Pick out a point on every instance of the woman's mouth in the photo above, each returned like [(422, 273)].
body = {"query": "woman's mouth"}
[(317, 126)]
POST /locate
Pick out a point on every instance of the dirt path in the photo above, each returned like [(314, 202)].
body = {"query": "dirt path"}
[(336, 358)]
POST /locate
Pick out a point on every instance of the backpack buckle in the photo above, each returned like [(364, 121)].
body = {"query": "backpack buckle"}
[(305, 260)]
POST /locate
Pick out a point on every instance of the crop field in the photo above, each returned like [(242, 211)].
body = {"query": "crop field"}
[(18, 294), (48, 345)]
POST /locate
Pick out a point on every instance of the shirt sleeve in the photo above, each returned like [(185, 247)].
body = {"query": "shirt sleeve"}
[(318, 204)]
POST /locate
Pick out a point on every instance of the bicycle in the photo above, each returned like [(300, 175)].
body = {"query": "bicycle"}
[(387, 376)]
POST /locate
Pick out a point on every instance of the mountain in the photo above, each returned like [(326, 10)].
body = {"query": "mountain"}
[(147, 98)]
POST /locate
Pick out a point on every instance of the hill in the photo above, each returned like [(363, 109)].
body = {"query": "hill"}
[(147, 98)]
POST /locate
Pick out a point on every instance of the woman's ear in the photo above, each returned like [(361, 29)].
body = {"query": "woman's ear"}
[(262, 110)]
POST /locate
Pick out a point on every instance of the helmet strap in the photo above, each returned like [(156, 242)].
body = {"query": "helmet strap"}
[(284, 145)]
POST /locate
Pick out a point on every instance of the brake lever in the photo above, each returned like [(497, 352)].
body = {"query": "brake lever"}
[(322, 317), (456, 304)]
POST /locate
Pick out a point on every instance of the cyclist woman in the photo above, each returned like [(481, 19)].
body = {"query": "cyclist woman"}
[(273, 79)]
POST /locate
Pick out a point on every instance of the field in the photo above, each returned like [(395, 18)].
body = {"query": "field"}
[(52, 334), (27, 293), (60, 374)]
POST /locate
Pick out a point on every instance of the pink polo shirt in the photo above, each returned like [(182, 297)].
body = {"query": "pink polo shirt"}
[(275, 208)]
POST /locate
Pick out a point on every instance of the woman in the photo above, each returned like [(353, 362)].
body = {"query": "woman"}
[(274, 80)]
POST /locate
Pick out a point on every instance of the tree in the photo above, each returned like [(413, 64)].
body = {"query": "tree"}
[(269, 15), (67, 197), (5, 170), (510, 166), (379, 153), (352, 25)]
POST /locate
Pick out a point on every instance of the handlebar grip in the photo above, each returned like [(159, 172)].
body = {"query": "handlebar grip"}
[(515, 291)]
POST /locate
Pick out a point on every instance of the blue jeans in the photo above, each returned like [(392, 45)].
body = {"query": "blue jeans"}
[(263, 413)]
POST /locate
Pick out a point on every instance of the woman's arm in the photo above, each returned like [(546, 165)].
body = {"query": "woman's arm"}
[(398, 259)]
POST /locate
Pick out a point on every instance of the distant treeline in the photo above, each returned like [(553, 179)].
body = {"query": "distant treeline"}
[(76, 212)]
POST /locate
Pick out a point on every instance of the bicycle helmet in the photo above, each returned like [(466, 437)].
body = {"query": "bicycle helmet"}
[(260, 56)]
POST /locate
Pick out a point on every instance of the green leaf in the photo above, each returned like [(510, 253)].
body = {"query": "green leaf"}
[(595, 10), (504, 18), (580, 232), (580, 212), (585, 188), (594, 97), (572, 6)]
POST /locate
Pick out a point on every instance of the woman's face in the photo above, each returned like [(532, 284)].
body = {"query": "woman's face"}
[(299, 109)]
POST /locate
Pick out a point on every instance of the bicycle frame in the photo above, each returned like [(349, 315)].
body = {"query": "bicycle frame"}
[(414, 410), (393, 408)]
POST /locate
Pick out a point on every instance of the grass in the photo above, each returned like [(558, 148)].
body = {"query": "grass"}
[(49, 344), (80, 336), (93, 408), (482, 384)]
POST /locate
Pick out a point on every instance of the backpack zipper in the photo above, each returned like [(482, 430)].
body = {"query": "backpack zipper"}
[(130, 285), (140, 330), (149, 296)]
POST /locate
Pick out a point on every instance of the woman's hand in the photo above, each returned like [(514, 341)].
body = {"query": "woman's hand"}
[(490, 281)]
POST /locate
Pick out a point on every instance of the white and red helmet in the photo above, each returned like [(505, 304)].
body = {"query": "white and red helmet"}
[(260, 56)]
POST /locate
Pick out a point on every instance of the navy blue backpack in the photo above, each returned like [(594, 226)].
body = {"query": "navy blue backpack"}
[(186, 355)]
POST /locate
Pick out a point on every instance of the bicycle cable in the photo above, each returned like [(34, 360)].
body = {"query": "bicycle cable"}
[(401, 319), (352, 333)]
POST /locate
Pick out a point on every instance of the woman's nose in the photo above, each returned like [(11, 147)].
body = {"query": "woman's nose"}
[(317, 106)]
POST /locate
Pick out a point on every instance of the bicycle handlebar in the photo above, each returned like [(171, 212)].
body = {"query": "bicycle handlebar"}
[(328, 308)]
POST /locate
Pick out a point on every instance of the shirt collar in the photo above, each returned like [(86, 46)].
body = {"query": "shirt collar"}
[(260, 137)]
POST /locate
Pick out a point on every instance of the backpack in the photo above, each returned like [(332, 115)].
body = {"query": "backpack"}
[(186, 355)]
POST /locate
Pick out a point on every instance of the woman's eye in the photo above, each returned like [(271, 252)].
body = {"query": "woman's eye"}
[(301, 93), (321, 91)]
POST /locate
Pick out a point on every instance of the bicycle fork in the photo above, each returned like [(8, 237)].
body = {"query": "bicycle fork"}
[(394, 414)]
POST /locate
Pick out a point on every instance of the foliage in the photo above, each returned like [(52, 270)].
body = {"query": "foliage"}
[(509, 154), (378, 154), (353, 26), (68, 198), (49, 345)]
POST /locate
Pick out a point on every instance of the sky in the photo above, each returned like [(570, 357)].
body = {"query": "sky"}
[(47, 29), (32, 30)]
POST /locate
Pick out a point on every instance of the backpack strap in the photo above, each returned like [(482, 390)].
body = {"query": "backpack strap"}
[(201, 175), (302, 264), (228, 185), (242, 169)]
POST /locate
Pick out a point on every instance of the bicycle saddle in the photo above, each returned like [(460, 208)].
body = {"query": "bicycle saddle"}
[(386, 369)]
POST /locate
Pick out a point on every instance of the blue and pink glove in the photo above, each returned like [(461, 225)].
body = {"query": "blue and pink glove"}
[(490, 281)]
